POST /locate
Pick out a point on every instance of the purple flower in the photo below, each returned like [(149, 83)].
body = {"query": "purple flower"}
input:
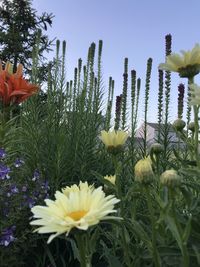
[(18, 163), (24, 188), (14, 189), (4, 170), (6, 211), (2, 153), (30, 202), (45, 186), (7, 236), (36, 194), (36, 175)]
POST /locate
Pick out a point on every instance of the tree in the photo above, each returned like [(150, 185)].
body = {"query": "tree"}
[(19, 29)]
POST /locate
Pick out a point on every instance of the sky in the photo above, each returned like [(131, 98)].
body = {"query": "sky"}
[(129, 28)]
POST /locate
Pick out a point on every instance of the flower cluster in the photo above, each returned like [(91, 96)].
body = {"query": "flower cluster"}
[(18, 193)]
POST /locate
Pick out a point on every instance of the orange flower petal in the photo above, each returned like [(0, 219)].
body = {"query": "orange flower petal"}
[(13, 87)]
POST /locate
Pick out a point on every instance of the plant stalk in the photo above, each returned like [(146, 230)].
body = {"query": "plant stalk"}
[(156, 256), (83, 253)]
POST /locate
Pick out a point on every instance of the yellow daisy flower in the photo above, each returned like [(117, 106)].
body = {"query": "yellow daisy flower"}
[(114, 139), (187, 64), (75, 207)]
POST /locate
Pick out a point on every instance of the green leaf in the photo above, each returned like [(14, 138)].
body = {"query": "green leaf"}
[(74, 248), (187, 230), (140, 233), (197, 253), (51, 258), (171, 224), (113, 261)]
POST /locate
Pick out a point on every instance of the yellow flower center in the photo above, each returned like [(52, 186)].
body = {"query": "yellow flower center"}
[(77, 215)]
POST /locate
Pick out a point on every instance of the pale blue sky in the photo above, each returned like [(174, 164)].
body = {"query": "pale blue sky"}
[(128, 28)]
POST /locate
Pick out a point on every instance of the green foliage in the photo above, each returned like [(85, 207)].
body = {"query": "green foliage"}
[(57, 132)]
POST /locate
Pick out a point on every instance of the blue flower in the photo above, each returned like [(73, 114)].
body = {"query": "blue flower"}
[(30, 202), (4, 172), (2, 153), (36, 175), (18, 162), (7, 236), (24, 188), (14, 189), (45, 186)]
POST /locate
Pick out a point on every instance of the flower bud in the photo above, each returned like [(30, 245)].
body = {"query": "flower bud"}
[(156, 148), (191, 127), (170, 178), (110, 178), (143, 171), (179, 124)]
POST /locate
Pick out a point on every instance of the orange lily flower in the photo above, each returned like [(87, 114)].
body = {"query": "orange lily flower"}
[(14, 89)]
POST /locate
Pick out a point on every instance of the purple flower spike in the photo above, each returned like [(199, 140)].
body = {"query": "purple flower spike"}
[(18, 163)]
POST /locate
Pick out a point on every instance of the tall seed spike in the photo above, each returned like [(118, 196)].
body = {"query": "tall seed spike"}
[(133, 96), (160, 102), (124, 93), (147, 90)]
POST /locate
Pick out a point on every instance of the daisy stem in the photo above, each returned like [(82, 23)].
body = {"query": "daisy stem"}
[(156, 256), (117, 168), (196, 136), (183, 247), (196, 122), (82, 247)]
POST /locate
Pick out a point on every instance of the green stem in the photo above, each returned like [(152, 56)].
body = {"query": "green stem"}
[(82, 247), (179, 228), (5, 117), (196, 134), (156, 256), (121, 210), (117, 173)]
